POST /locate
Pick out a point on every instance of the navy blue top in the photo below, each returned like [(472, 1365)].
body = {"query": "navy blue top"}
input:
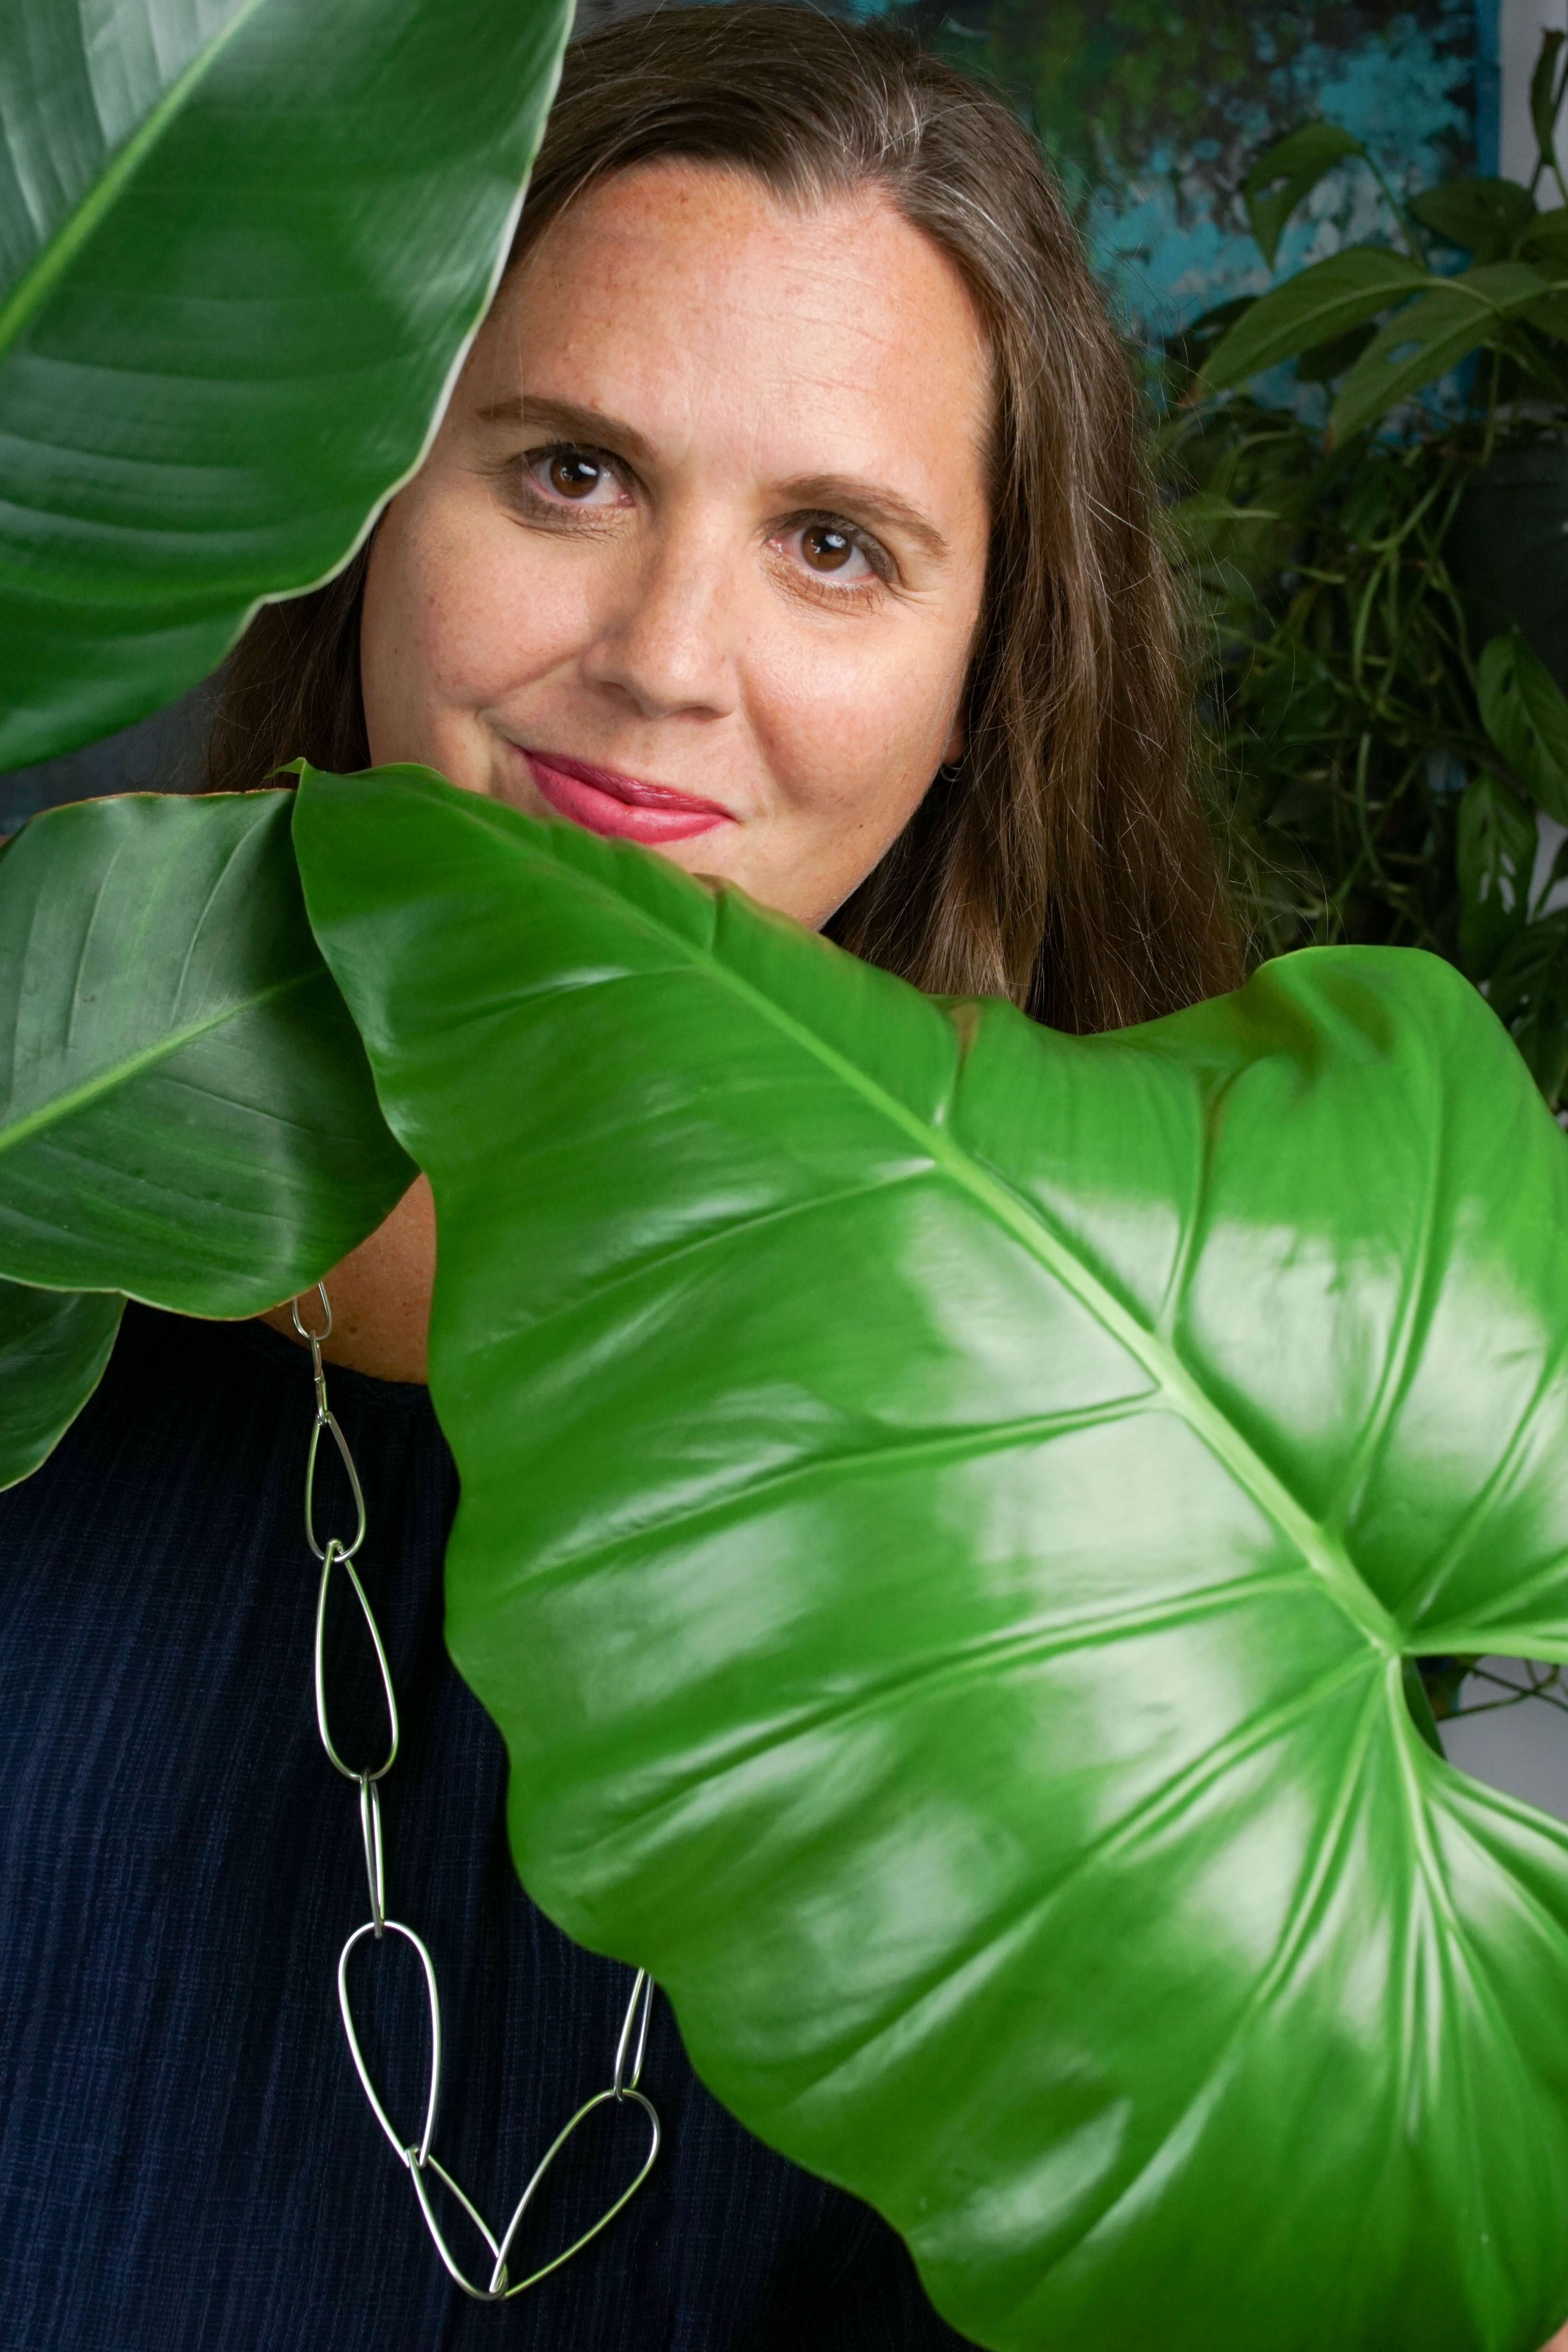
[(187, 2163)]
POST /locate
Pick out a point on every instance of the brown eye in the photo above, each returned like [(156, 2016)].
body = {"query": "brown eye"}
[(825, 549), (573, 476)]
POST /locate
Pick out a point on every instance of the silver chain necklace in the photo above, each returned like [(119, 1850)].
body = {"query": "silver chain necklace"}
[(417, 2155)]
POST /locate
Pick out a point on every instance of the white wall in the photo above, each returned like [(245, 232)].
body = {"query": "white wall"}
[(1520, 23), (1524, 1749)]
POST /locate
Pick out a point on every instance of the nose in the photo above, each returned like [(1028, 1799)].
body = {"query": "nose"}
[(665, 640)]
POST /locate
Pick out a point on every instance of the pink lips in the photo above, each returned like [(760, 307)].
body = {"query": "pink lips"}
[(604, 802)]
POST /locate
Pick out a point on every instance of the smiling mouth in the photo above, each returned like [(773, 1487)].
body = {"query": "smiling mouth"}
[(603, 801)]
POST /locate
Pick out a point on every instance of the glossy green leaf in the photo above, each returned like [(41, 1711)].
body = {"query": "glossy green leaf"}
[(1495, 858), (1485, 216), (54, 1345), (186, 1112), (242, 246), (1289, 172), (1430, 336), (945, 1509), (1322, 303), (1525, 712)]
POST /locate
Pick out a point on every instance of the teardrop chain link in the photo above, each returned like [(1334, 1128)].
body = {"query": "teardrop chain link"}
[(418, 2156)]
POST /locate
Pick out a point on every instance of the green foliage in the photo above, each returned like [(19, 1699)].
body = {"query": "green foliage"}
[(1529, 986), (1486, 218), (949, 1509), (1287, 175), (186, 1113), (946, 1507), (1494, 859), (1427, 338), (1433, 322), (185, 1108), (1388, 746), (1280, 179), (1384, 782), (1318, 305), (241, 247), (1524, 713), (1512, 301), (54, 1346)]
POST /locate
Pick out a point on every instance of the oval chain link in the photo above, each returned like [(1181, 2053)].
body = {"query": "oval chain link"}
[(418, 2156)]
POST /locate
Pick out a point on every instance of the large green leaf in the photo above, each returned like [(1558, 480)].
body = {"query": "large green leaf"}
[(242, 245), (54, 1345), (186, 1112), (1428, 337), (944, 1508), (1322, 303)]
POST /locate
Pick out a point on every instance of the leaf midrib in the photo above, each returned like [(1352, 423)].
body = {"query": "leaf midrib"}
[(62, 1106), (1165, 1367), (55, 257)]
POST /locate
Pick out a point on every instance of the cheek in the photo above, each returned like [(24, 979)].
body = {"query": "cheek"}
[(853, 732), (456, 618)]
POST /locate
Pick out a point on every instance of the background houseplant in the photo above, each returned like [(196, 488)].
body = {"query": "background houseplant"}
[(1381, 644)]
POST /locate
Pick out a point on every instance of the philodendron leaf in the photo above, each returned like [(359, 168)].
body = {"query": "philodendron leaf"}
[(186, 1112), (1289, 172), (1529, 989), (54, 1345), (1322, 303), (241, 246), (1525, 713), (1486, 216), (1494, 860), (946, 1508), (1428, 337)]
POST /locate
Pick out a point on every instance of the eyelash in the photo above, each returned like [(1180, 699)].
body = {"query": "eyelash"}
[(523, 468)]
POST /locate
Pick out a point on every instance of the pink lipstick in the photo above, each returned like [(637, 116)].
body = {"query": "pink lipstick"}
[(603, 801)]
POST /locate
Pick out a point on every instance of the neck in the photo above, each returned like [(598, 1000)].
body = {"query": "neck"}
[(380, 1296)]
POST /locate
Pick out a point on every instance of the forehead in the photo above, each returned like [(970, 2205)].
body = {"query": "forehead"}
[(685, 297)]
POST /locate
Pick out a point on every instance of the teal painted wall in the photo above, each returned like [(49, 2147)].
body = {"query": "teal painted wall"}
[(1153, 107)]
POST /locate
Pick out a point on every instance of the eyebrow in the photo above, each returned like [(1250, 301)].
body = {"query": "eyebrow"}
[(589, 425), (871, 502)]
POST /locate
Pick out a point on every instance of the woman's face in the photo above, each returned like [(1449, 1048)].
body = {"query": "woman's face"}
[(697, 555)]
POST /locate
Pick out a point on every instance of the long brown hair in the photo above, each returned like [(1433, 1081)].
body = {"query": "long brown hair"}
[(1064, 862)]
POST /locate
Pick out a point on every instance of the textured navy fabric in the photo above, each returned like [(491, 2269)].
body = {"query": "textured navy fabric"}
[(186, 2161)]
